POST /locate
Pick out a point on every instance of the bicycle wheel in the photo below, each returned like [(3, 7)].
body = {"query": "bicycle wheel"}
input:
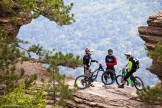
[(81, 82), (106, 78), (138, 83), (119, 80)]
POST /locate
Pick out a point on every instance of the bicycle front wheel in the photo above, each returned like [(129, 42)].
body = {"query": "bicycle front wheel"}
[(138, 83), (107, 79), (81, 82), (119, 80)]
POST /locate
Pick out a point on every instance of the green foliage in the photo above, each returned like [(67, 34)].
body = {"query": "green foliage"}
[(68, 58), (11, 76), (55, 10), (22, 71), (59, 86), (18, 98), (151, 95), (54, 59), (30, 79), (16, 20), (9, 53), (157, 52), (65, 92), (18, 11), (60, 59), (10, 80), (42, 79), (9, 56), (38, 50), (13, 68)]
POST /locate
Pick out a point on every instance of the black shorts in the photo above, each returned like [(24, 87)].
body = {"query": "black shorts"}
[(86, 69), (111, 68), (129, 74), (111, 74)]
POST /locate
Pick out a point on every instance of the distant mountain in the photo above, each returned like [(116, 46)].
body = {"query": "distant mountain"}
[(100, 25)]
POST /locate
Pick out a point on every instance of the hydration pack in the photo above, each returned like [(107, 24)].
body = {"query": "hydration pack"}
[(136, 63)]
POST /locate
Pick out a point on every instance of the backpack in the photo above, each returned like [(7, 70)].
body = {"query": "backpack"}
[(136, 63)]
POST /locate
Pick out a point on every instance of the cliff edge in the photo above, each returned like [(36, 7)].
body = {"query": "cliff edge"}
[(152, 34), (106, 96)]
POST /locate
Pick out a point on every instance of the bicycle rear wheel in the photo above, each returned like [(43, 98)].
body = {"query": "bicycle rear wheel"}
[(81, 82), (138, 83), (106, 78)]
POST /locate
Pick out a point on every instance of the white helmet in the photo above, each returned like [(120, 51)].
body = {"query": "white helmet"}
[(128, 54)]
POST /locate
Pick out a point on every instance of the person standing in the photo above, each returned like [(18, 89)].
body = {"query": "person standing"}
[(110, 61), (87, 62), (87, 59)]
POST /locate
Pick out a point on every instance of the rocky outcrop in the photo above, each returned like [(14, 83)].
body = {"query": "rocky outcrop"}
[(12, 19), (109, 96), (100, 96), (152, 34)]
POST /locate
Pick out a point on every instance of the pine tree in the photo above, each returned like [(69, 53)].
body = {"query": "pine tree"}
[(17, 12), (55, 10)]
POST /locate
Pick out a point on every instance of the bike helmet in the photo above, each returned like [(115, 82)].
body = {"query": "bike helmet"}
[(88, 51), (128, 54)]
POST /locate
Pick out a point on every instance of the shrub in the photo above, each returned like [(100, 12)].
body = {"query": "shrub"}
[(29, 80), (157, 52), (22, 71), (151, 95), (18, 98), (42, 79)]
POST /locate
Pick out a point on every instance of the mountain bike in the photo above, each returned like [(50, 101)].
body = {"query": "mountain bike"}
[(84, 81), (132, 80)]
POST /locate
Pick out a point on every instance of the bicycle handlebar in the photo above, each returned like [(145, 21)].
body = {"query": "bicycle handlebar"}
[(100, 65), (123, 68)]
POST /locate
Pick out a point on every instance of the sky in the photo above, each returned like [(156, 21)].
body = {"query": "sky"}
[(100, 25)]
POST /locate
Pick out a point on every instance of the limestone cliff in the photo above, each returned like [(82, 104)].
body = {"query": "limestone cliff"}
[(152, 34)]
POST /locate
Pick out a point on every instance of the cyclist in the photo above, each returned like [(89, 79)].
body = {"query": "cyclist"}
[(110, 61), (87, 61), (131, 68)]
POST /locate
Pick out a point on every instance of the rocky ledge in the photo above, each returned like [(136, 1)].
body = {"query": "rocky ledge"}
[(109, 96), (152, 34)]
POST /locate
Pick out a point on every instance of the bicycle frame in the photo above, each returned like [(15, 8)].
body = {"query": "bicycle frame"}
[(97, 70), (124, 72)]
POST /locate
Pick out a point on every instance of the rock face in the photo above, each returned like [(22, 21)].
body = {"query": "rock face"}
[(109, 96), (152, 34), (12, 20)]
